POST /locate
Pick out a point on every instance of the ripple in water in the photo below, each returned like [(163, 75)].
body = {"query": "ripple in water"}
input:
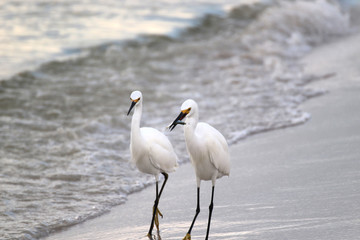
[(65, 133)]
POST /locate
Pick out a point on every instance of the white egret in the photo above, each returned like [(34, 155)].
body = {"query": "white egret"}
[(208, 152), (151, 151)]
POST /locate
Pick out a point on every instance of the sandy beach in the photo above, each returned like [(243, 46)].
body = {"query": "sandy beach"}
[(296, 183)]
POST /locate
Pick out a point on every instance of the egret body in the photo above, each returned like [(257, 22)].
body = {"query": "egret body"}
[(151, 151), (208, 152)]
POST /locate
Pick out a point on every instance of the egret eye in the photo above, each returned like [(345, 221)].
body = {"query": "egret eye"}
[(136, 100), (186, 111)]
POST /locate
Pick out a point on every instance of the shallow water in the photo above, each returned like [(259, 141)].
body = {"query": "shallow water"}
[(36, 31), (65, 133)]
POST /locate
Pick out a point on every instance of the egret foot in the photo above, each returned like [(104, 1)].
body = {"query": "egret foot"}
[(156, 220), (150, 236), (187, 237)]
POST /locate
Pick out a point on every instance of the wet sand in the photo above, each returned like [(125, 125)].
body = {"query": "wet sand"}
[(295, 183)]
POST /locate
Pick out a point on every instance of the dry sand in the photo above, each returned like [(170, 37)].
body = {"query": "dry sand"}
[(296, 183)]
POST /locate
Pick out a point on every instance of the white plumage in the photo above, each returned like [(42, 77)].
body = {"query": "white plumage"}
[(208, 151), (151, 151)]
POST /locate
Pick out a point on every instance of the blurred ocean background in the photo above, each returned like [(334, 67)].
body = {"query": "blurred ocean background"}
[(68, 67)]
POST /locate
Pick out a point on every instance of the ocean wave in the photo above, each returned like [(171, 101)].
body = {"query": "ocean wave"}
[(64, 129)]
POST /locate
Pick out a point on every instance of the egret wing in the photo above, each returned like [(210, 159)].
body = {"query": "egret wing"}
[(161, 152), (217, 148)]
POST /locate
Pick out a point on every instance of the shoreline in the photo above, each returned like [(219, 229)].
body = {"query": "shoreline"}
[(301, 182)]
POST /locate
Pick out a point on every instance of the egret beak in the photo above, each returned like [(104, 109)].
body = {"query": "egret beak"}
[(178, 121), (131, 107)]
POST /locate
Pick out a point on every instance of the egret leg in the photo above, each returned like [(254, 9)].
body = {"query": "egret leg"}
[(166, 176), (156, 212), (156, 220), (188, 235), (211, 206)]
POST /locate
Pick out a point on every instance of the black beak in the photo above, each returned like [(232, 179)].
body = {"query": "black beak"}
[(177, 121), (131, 107)]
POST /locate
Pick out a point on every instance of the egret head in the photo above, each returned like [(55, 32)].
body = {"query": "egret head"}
[(135, 97), (188, 109)]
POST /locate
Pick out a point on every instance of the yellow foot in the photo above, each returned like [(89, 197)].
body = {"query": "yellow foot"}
[(187, 237), (156, 220), (149, 236)]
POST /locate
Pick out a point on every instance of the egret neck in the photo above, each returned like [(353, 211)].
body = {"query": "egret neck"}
[(135, 126), (190, 126)]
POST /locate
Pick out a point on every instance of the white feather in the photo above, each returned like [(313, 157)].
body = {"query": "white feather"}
[(151, 150), (206, 146)]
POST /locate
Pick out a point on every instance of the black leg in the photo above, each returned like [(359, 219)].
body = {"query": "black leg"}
[(211, 206), (166, 176), (197, 211), (156, 203), (154, 211)]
